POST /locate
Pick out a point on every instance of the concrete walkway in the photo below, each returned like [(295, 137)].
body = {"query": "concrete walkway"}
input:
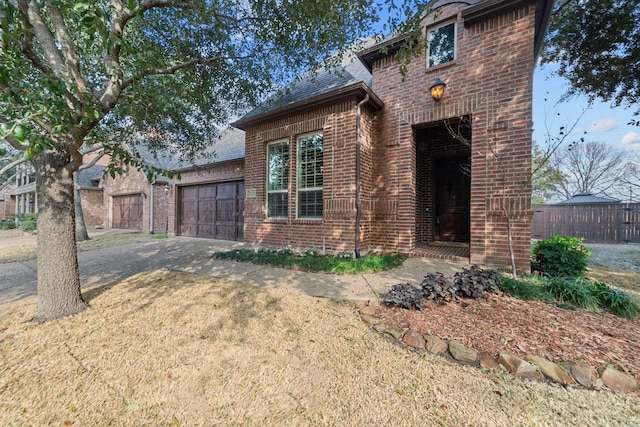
[(108, 265)]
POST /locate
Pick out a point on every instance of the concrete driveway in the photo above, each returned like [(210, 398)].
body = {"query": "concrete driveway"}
[(108, 265)]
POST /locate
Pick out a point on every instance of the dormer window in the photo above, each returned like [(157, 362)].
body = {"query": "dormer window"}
[(442, 44)]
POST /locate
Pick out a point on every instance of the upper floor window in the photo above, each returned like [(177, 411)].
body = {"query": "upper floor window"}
[(278, 179), (310, 174), (442, 44)]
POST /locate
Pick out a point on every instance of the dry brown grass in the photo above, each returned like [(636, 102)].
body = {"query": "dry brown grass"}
[(627, 280), (25, 247), (168, 348)]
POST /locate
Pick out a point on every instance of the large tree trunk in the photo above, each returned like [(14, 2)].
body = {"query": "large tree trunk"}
[(58, 274), (81, 227)]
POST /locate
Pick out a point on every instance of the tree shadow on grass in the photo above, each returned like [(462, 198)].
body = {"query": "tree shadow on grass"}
[(176, 296)]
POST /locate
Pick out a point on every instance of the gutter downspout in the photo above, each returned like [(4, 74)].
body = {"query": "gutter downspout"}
[(151, 203), (358, 201)]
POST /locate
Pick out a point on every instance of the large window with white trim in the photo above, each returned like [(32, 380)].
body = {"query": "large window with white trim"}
[(278, 179), (442, 44), (310, 172)]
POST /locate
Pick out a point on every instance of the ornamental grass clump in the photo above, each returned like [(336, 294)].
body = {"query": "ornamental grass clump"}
[(574, 291), (618, 302)]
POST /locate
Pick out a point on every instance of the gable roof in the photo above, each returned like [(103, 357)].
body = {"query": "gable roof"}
[(350, 78), (87, 177), (582, 198), (473, 11), (228, 146)]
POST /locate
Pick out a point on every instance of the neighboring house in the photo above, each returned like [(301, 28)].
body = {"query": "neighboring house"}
[(206, 201), (25, 189), (587, 198), (7, 200), (25, 198), (91, 197), (363, 160)]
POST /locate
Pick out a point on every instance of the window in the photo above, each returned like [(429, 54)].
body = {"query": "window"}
[(310, 171), (442, 44), (278, 179)]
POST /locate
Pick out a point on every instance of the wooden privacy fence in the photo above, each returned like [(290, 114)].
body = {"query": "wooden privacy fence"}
[(595, 223)]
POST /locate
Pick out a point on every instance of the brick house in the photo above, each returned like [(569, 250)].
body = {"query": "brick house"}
[(206, 201), (7, 201), (365, 160)]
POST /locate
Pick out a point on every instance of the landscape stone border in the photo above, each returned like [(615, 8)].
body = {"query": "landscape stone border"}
[(568, 373)]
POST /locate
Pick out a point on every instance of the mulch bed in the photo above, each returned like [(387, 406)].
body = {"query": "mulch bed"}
[(506, 324)]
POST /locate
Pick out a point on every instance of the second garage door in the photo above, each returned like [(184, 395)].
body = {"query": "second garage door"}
[(127, 211), (212, 210)]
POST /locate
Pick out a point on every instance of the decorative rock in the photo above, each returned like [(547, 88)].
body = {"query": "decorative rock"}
[(462, 353), (435, 345), (619, 381), (582, 373), (370, 320), (509, 362), (414, 339), (368, 310), (488, 362), (391, 329), (519, 367), (359, 305), (551, 370)]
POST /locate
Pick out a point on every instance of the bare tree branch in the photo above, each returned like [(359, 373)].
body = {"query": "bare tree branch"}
[(178, 67), (120, 16), (12, 165), (92, 162), (68, 50), (45, 38)]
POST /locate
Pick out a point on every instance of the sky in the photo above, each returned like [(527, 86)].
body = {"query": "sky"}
[(602, 122)]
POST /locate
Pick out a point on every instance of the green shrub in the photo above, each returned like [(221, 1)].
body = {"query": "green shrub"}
[(526, 288), (618, 302), (285, 257), (575, 291), (560, 256), (7, 225), (28, 222)]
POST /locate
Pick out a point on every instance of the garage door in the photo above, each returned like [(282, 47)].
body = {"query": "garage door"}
[(212, 210), (127, 211)]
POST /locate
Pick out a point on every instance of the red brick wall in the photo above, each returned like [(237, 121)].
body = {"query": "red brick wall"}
[(227, 171), (92, 201), (336, 230), (491, 81), (133, 182), (8, 204)]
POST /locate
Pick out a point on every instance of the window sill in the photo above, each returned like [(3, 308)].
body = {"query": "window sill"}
[(441, 67)]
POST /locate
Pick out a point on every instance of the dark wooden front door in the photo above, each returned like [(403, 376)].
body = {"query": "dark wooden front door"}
[(213, 211), (452, 197), (127, 212)]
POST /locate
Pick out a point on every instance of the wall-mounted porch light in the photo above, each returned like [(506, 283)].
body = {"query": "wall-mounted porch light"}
[(437, 89), (167, 188)]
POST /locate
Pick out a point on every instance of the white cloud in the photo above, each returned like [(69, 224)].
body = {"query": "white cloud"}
[(603, 125), (631, 138)]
